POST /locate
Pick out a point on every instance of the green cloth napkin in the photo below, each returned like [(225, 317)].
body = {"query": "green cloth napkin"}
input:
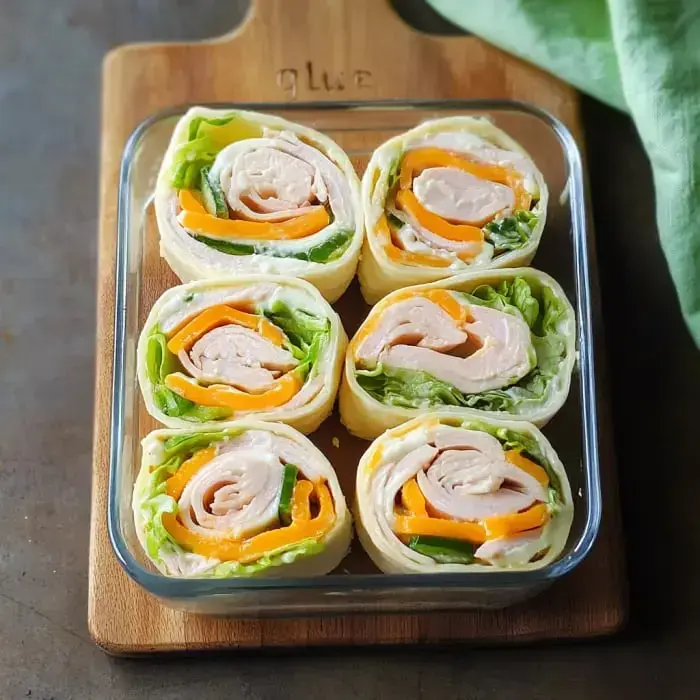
[(642, 56)]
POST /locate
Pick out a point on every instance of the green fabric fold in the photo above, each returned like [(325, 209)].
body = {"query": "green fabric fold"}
[(642, 56)]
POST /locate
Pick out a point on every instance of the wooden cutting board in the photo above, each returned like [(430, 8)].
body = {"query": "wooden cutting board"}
[(301, 50)]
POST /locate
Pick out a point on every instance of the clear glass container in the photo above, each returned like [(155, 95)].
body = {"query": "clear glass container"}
[(356, 585)]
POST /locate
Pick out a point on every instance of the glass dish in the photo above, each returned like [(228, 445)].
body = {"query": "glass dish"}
[(356, 585)]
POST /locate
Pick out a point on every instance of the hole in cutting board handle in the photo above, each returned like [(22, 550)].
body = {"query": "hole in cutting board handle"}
[(415, 14), (418, 15)]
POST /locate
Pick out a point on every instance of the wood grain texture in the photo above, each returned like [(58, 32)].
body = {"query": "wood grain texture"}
[(318, 50)]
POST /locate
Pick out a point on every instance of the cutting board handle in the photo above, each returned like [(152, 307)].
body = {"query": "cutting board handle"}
[(319, 49), (346, 16)]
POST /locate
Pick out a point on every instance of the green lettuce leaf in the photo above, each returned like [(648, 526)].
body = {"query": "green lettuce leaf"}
[(524, 301), (160, 362), (200, 127), (156, 535), (300, 326), (393, 171), (554, 312), (284, 555), (155, 502), (513, 297), (408, 388), (188, 410), (187, 168), (182, 447), (205, 138), (308, 334), (549, 345), (511, 233), (416, 389), (328, 251), (532, 389), (310, 358), (549, 350)]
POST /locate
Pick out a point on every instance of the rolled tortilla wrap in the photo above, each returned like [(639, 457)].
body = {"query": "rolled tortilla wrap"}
[(452, 195), (501, 342), (241, 192), (256, 499), (215, 350), (449, 494)]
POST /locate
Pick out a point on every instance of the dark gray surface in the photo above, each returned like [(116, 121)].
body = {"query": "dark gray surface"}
[(50, 53)]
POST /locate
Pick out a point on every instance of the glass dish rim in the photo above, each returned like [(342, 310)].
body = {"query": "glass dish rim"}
[(190, 588)]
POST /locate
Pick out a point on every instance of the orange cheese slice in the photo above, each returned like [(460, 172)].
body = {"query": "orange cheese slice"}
[(449, 304), (283, 391), (217, 316), (301, 503), (195, 218), (412, 498), (189, 201), (517, 459), (508, 525), (492, 528), (419, 522), (245, 551), (438, 527), (175, 485)]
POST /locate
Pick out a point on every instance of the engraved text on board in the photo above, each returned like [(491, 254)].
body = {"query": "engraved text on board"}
[(314, 79)]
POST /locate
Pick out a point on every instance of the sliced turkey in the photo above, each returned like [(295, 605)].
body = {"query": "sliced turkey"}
[(236, 494), (280, 177), (468, 249), (491, 350), (417, 321), (448, 437), (237, 356), (464, 475), (302, 455), (459, 196), (470, 479), (270, 185), (471, 485)]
